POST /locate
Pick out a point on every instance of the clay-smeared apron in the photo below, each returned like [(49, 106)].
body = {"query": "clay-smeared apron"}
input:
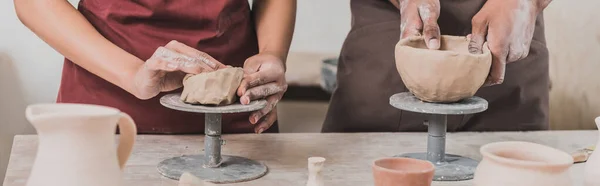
[(367, 77), (222, 28)]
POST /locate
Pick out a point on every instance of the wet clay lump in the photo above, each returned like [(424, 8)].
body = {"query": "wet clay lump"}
[(445, 75), (212, 88)]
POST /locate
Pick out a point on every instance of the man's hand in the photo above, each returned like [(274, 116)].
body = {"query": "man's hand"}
[(508, 27), (419, 17), (164, 71), (264, 77)]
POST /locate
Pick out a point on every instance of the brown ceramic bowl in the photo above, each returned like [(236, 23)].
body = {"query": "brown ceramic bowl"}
[(449, 74), (402, 172)]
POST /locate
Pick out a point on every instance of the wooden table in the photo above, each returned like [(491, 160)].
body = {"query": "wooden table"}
[(349, 156)]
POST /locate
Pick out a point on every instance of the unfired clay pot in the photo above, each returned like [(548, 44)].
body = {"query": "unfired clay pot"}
[(402, 172), (315, 166), (592, 166), (77, 144), (445, 75), (517, 163), (212, 88)]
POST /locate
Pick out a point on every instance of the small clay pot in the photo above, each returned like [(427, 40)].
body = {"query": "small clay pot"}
[(517, 163), (449, 74), (402, 172)]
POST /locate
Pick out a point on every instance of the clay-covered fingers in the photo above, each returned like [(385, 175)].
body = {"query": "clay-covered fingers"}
[(419, 18), (263, 91), (518, 51), (271, 104), (499, 57), (172, 81), (429, 13), (168, 60), (266, 122), (478, 35), (257, 78), (260, 70), (196, 54), (410, 22)]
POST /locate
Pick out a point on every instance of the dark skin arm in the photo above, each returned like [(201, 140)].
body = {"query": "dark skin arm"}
[(265, 72), (507, 26)]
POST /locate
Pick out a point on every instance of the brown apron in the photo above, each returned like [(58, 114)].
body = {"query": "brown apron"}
[(367, 77), (223, 29)]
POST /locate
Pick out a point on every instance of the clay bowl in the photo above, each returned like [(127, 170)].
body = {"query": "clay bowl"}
[(519, 163), (402, 172), (449, 74)]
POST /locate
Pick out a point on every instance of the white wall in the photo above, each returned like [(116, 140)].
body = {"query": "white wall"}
[(573, 38), (321, 25), (30, 69)]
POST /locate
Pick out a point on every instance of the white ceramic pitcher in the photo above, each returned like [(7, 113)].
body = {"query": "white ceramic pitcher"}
[(592, 165), (77, 144)]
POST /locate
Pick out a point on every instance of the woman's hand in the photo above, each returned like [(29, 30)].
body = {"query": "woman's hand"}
[(264, 77), (419, 17), (508, 27), (164, 71)]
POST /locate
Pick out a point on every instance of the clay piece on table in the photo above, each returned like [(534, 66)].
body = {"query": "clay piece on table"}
[(591, 173), (446, 75), (402, 172), (518, 163), (315, 166), (582, 155), (85, 135), (188, 179), (212, 88)]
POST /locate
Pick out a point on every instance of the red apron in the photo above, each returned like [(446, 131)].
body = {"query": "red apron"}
[(223, 29)]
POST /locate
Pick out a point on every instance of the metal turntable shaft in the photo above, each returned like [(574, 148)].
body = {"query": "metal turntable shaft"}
[(448, 167)]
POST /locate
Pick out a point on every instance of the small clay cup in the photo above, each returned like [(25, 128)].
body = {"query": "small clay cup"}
[(402, 172), (446, 75)]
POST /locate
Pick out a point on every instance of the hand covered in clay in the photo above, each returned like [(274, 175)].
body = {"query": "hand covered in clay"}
[(164, 71), (264, 77), (508, 27), (419, 17)]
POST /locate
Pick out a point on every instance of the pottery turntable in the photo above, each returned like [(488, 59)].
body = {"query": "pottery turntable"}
[(448, 167), (212, 166)]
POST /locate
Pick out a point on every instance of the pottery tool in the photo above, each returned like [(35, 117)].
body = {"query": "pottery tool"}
[(448, 167), (582, 155), (212, 166)]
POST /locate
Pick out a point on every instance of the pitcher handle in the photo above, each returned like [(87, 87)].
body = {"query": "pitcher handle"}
[(128, 133)]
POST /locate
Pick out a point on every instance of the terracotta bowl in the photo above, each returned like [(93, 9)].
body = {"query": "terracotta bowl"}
[(518, 163), (402, 172), (445, 75)]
